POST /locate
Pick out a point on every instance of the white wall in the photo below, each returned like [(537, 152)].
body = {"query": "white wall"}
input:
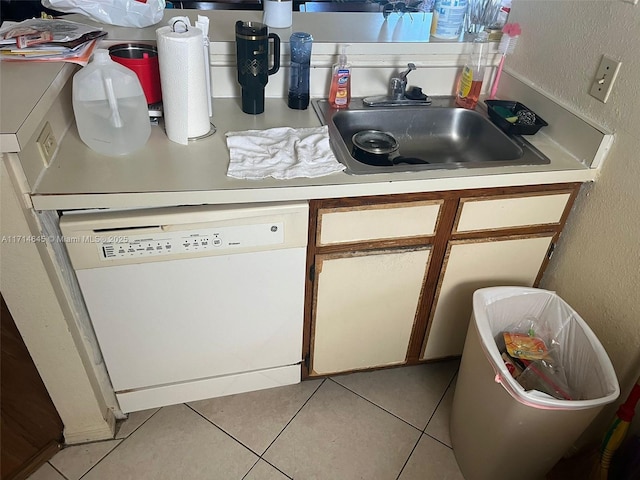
[(596, 268)]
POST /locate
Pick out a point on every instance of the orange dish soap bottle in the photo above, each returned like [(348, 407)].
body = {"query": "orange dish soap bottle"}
[(470, 81), (340, 92)]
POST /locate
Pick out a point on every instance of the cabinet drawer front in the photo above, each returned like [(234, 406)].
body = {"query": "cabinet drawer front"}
[(477, 214), (377, 222)]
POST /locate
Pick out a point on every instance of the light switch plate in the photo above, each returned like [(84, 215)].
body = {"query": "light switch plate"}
[(604, 79)]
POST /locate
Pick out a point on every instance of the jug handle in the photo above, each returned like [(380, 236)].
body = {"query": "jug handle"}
[(276, 54)]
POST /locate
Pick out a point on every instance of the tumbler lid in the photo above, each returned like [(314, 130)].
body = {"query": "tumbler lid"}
[(301, 37), (251, 29)]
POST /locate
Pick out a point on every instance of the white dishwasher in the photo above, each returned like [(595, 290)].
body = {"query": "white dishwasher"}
[(196, 302)]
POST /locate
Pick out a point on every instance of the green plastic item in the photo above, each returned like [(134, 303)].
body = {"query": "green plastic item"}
[(505, 113)]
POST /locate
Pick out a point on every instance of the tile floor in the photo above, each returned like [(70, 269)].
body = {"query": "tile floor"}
[(382, 425)]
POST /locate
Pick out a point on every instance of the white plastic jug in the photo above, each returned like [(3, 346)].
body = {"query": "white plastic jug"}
[(111, 111)]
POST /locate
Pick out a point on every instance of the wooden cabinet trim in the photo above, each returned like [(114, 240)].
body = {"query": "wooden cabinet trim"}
[(447, 216), (379, 206), (308, 288), (519, 190), (377, 200), (376, 244)]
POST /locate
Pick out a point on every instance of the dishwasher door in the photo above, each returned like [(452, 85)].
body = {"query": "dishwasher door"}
[(193, 302)]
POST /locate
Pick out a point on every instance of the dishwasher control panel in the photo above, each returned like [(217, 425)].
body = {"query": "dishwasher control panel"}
[(116, 247)]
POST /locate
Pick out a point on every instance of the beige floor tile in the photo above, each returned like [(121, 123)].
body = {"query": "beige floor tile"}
[(256, 418), (411, 393), (263, 471), (176, 443), (338, 435), (74, 461), (135, 419), (45, 472), (438, 426), (431, 461)]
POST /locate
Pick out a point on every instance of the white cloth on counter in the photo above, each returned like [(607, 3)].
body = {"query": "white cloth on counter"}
[(281, 153)]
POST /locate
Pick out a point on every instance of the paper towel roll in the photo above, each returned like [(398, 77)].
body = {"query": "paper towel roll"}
[(184, 83), (277, 13)]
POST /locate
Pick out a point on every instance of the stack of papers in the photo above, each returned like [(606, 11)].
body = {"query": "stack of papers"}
[(45, 40)]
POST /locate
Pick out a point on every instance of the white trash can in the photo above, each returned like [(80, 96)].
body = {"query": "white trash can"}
[(499, 430)]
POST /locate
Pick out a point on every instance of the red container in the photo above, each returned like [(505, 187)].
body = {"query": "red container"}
[(143, 60)]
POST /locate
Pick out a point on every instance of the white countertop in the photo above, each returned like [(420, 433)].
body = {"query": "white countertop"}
[(165, 173)]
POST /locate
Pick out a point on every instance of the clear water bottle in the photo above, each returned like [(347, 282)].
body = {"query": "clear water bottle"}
[(300, 44), (111, 110), (472, 76)]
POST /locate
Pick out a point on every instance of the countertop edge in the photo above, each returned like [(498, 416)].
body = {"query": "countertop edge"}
[(310, 192)]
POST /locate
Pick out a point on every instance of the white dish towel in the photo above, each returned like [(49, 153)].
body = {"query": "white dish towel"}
[(281, 153)]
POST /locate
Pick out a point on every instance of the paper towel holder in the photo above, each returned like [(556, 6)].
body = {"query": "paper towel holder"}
[(212, 130), (173, 26)]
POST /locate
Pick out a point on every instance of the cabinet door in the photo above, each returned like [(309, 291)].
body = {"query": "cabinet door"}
[(468, 266), (365, 305)]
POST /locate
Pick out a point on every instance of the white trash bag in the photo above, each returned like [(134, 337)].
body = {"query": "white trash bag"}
[(589, 372), (124, 13)]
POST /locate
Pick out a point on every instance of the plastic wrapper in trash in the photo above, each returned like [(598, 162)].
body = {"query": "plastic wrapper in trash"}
[(574, 349), (124, 13), (546, 376), (532, 344)]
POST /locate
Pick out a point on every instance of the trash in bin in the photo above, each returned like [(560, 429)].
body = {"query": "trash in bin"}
[(538, 367), (566, 384), (546, 376), (525, 346), (556, 349)]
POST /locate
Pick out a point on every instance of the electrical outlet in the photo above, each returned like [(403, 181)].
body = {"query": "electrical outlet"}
[(47, 144), (604, 79)]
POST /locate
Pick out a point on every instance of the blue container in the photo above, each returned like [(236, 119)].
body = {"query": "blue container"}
[(300, 44)]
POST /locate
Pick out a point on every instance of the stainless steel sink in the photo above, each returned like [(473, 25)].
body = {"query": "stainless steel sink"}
[(444, 136)]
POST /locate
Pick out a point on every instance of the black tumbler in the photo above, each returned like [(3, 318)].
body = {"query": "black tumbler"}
[(252, 57)]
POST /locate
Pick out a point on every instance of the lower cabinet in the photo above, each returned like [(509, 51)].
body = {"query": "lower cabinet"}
[(365, 308), (470, 265), (392, 278)]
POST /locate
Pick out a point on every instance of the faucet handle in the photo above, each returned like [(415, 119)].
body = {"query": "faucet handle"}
[(403, 75), (398, 85)]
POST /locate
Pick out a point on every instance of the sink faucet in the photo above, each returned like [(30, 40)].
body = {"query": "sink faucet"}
[(398, 85), (398, 95)]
